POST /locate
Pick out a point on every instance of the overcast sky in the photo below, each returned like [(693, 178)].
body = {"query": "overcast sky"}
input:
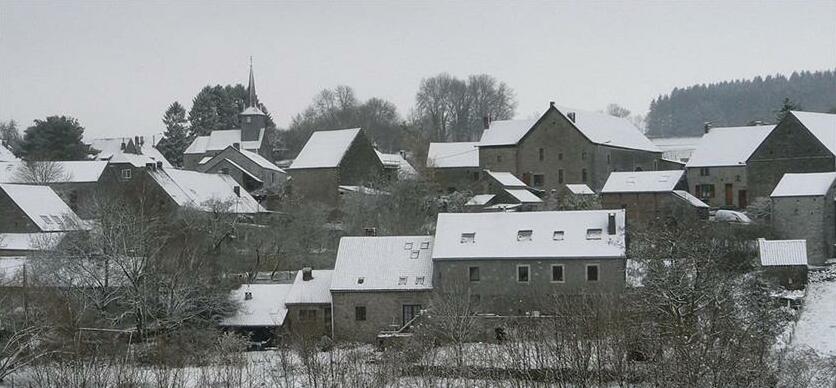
[(116, 66)]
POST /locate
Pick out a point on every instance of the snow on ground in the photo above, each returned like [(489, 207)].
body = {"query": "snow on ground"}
[(816, 328)]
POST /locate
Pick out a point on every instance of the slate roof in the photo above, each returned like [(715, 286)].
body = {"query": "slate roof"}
[(642, 181), (523, 195), (391, 263), (266, 308), (325, 149), (730, 146), (218, 140), (71, 171), (782, 252), (314, 291), (43, 207), (496, 235), (196, 189), (804, 184), (453, 155), (821, 125), (111, 150), (579, 188)]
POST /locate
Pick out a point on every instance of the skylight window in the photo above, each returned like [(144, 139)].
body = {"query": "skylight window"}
[(57, 219), (361, 280), (524, 235), (425, 245), (468, 238), (46, 219), (558, 235), (407, 246), (414, 254), (593, 234), (419, 280), (402, 281)]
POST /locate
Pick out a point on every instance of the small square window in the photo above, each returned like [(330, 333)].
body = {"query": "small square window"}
[(473, 274), (419, 280), (539, 180), (592, 273), (57, 219), (523, 273), (558, 235), (407, 246), (560, 156), (414, 254), (524, 235), (359, 313), (593, 234), (425, 245), (557, 273), (126, 173), (402, 281), (361, 280), (468, 238), (542, 154)]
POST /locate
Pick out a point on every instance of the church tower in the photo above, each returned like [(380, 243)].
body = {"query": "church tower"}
[(252, 119)]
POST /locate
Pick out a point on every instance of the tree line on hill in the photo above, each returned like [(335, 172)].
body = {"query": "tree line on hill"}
[(684, 111)]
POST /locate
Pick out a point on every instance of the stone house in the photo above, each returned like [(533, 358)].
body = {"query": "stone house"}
[(652, 195), (802, 142), (784, 262), (331, 159), (516, 263), (309, 304), (717, 168), (803, 208), (252, 171), (380, 284), (35, 209), (454, 166), (566, 147), (502, 191), (261, 313), (78, 183)]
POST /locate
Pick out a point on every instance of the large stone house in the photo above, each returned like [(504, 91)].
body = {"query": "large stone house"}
[(803, 208), (516, 263), (454, 166), (717, 169), (801, 142), (566, 147), (331, 159), (252, 171), (648, 196), (380, 284)]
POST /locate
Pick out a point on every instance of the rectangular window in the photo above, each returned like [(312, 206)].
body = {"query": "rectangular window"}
[(522, 273), (126, 173), (706, 191), (704, 171), (608, 158), (560, 176), (359, 313), (402, 281), (468, 238), (524, 235), (473, 274), (499, 158), (419, 280), (558, 235), (542, 154), (583, 175), (560, 156), (593, 234), (539, 180), (410, 311), (557, 273), (475, 176), (592, 272)]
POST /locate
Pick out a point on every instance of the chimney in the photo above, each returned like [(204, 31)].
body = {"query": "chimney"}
[(486, 122), (159, 165), (551, 104), (571, 116), (142, 140), (611, 223), (150, 166), (371, 232), (248, 295), (706, 126), (307, 274), (237, 190), (237, 146), (402, 153), (123, 146), (136, 141)]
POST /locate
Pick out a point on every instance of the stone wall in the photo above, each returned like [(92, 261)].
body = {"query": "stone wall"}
[(720, 177), (384, 311), (314, 327), (643, 208), (810, 218)]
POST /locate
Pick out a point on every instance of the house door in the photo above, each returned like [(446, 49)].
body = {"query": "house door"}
[(409, 312), (741, 199), (729, 194)]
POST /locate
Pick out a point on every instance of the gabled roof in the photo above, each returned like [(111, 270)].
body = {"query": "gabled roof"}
[(6, 154), (505, 179), (782, 252), (197, 189), (325, 149), (314, 291), (692, 200), (396, 160), (480, 200), (84, 171), (730, 146), (111, 150), (44, 207), (805, 184), (218, 140), (496, 235), (821, 125), (265, 308), (579, 189), (642, 181), (260, 160), (523, 195), (599, 128), (389, 263), (453, 155)]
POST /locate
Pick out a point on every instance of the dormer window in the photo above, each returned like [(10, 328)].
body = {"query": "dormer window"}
[(524, 235), (593, 234), (468, 238), (46, 219), (558, 235), (407, 246), (425, 245), (414, 254), (402, 281)]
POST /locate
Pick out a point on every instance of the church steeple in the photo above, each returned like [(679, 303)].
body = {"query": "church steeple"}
[(253, 120), (253, 100)]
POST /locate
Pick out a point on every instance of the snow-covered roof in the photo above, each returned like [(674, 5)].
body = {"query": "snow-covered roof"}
[(506, 179), (453, 155), (243, 170), (111, 150), (730, 146), (325, 149), (692, 200), (642, 181), (804, 184), (523, 195), (6, 154), (821, 125), (396, 160), (676, 143), (30, 241), (554, 234), (343, 189), (250, 111), (579, 188), (198, 146), (266, 307), (782, 252), (314, 291), (599, 128), (480, 200), (260, 160), (69, 171), (383, 263), (218, 140), (197, 189), (43, 207)]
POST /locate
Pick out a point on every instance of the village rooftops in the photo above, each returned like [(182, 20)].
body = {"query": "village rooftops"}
[(316, 290), (199, 190), (218, 140), (391, 263), (480, 200), (551, 234), (505, 179), (805, 184), (44, 208), (599, 128), (782, 252), (54, 172), (821, 125), (113, 150), (523, 195), (453, 155), (731, 146), (642, 181), (325, 149), (261, 305)]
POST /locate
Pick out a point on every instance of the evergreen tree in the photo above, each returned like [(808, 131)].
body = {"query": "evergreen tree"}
[(56, 138), (217, 108), (786, 107), (176, 138)]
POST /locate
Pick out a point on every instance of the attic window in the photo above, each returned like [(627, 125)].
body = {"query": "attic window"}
[(593, 234), (419, 280), (468, 238), (558, 235), (425, 245), (361, 280), (407, 246), (414, 254), (402, 281), (57, 219), (524, 235), (46, 219)]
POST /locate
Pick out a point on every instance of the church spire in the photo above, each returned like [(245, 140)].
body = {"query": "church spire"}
[(253, 102)]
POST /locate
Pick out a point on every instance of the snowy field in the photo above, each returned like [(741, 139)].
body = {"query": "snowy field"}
[(816, 328)]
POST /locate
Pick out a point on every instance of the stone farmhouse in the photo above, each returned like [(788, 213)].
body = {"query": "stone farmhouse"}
[(648, 196), (253, 172), (717, 169), (454, 166), (309, 304), (803, 208), (801, 142), (78, 183)]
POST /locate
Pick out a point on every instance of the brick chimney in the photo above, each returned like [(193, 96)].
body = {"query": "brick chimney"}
[(706, 126), (571, 116), (611, 223), (237, 146), (486, 122), (307, 274)]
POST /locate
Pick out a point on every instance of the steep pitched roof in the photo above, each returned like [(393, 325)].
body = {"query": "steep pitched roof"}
[(782, 252), (805, 184), (396, 160), (523, 195), (197, 189), (730, 146), (111, 150), (218, 140), (6, 154), (325, 149), (30, 241), (821, 125), (453, 155), (83, 171), (314, 291), (692, 200), (642, 181), (266, 307), (563, 234), (383, 263), (505, 179), (44, 207)]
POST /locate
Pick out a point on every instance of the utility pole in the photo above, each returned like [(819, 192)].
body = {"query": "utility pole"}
[(25, 295)]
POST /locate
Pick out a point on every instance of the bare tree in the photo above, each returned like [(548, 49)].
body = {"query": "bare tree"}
[(617, 111), (41, 173)]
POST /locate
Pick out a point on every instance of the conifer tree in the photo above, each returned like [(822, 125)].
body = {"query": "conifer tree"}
[(176, 137), (56, 138), (787, 106)]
